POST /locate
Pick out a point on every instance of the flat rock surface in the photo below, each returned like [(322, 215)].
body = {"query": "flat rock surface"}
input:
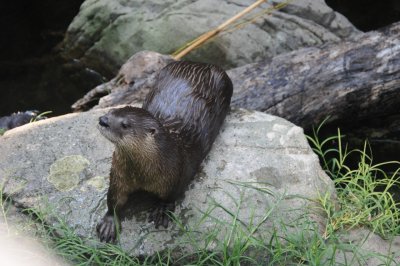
[(260, 170)]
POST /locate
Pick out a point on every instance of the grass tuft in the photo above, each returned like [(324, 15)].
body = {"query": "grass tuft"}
[(364, 194), (73, 248), (40, 116)]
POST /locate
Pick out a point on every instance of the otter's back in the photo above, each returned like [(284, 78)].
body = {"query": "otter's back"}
[(191, 100)]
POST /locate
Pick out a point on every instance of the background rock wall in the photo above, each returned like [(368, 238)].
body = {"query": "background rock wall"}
[(106, 33)]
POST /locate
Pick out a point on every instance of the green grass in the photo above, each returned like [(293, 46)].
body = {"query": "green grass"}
[(364, 193), (40, 116), (79, 251), (240, 245), (363, 200), (4, 204)]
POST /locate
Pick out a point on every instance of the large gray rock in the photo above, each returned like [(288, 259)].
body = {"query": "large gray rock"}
[(367, 243), (106, 33), (261, 169)]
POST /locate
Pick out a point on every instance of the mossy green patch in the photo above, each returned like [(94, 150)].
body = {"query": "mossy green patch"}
[(98, 182), (64, 173)]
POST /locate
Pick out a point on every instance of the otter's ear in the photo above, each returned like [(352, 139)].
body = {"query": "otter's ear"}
[(153, 131)]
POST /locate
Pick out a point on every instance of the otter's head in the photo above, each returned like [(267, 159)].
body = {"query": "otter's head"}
[(129, 126)]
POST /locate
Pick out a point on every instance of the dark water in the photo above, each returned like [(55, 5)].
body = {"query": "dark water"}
[(368, 15), (47, 84), (32, 74)]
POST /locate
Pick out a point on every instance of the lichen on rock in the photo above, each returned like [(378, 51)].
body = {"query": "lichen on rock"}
[(64, 173), (98, 182)]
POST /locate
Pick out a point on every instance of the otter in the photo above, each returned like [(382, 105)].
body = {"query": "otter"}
[(159, 147)]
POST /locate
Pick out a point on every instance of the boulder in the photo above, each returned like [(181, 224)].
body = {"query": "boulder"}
[(105, 33), (368, 243), (260, 171)]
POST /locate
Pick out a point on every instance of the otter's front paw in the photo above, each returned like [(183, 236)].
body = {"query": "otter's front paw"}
[(160, 214), (106, 229)]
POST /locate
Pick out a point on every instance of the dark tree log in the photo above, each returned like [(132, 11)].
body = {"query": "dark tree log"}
[(351, 80), (354, 79), (130, 86)]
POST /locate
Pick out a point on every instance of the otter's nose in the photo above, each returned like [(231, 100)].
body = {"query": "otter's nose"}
[(103, 121)]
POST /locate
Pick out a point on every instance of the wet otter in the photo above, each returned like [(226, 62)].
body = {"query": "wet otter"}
[(159, 147)]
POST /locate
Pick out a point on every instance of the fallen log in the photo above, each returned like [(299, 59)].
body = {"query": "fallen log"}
[(352, 80)]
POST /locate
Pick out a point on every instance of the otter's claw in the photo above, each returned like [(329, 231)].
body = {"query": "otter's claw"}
[(106, 229), (159, 215)]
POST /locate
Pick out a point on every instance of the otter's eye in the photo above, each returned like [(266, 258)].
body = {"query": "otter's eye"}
[(124, 125)]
